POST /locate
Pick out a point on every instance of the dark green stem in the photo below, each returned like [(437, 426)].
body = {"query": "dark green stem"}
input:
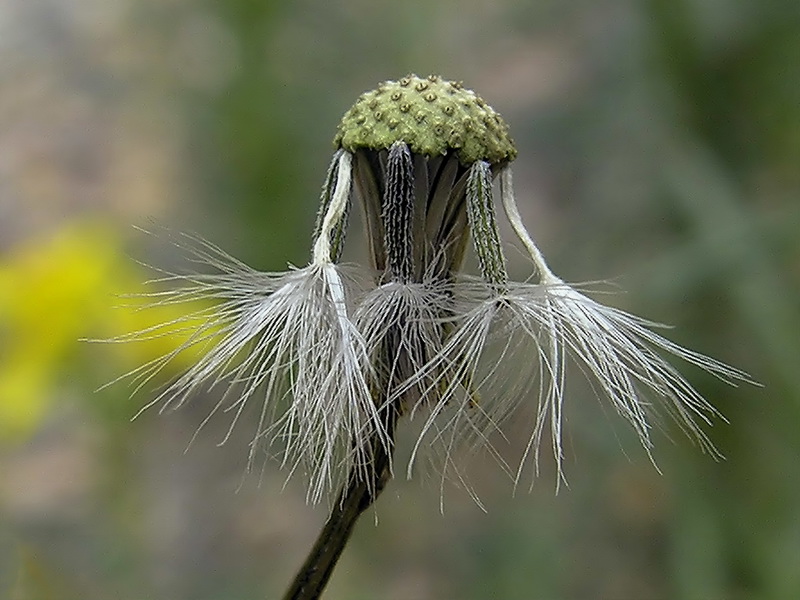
[(357, 495)]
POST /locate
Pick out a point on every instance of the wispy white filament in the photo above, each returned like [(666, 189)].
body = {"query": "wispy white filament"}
[(536, 328), (402, 325), (284, 340), (512, 344), (514, 218), (336, 210)]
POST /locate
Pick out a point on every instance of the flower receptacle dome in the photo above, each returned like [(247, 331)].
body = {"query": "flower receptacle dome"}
[(432, 116)]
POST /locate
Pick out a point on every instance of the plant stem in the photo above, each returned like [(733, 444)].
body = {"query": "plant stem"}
[(357, 495)]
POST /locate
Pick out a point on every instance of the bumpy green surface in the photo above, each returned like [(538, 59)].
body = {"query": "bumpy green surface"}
[(432, 116)]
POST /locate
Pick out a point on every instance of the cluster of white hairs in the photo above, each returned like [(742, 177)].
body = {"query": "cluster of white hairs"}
[(327, 350)]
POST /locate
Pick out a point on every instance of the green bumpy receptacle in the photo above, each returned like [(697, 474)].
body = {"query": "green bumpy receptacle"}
[(432, 116)]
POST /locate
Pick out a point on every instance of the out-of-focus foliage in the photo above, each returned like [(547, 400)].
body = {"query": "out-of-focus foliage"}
[(659, 144)]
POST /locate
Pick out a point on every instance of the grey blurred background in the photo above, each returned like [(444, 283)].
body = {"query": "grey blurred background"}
[(659, 145)]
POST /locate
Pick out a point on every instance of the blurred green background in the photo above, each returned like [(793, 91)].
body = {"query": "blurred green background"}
[(659, 148)]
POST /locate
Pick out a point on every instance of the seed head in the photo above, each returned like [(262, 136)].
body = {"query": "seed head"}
[(431, 116)]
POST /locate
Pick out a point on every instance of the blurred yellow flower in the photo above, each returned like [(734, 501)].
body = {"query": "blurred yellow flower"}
[(57, 289)]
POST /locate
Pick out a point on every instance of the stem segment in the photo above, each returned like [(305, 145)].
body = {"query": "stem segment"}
[(357, 495)]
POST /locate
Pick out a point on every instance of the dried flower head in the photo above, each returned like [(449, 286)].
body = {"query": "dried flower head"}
[(335, 359)]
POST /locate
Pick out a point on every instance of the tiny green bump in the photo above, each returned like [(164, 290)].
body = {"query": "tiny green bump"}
[(432, 116)]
